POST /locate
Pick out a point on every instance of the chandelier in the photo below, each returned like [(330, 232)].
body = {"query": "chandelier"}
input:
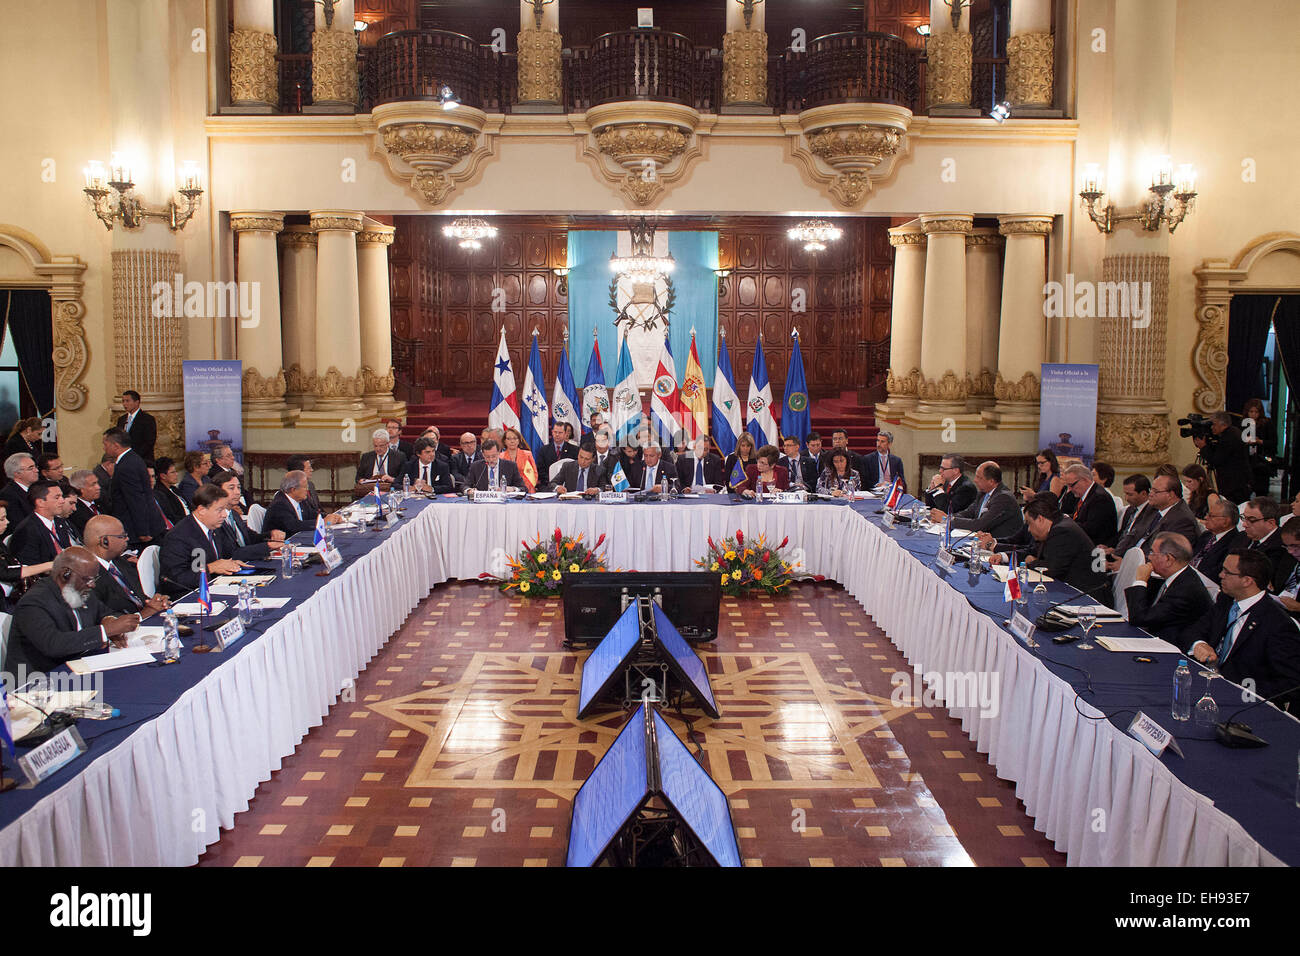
[(124, 205), (469, 232), (815, 234), (642, 266)]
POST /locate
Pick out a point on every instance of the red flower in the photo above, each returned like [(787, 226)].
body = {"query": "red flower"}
[(784, 542), (599, 541), (819, 577), (712, 546), (740, 537), (484, 575), (558, 536), (766, 556)]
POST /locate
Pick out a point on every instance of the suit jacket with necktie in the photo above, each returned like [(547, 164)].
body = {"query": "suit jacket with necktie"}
[(1177, 520), (1167, 610), (955, 497), (636, 474), (1096, 515), (235, 539), (548, 457), (1000, 517), (143, 432), (176, 559), (133, 501), (807, 469), (47, 632), (713, 475), (479, 473), (391, 465), (1279, 557), (460, 466), (281, 516), (17, 505), (1136, 526), (118, 587), (1208, 558), (871, 473), (439, 474), (84, 511), (1266, 647), (568, 476), (33, 543), (173, 506)]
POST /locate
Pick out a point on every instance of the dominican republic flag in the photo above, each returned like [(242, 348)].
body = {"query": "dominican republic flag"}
[(760, 422), (503, 409), (665, 403), (895, 494), (319, 540), (1011, 590), (564, 400), (205, 599), (534, 413), (627, 400), (737, 474), (726, 406), (694, 398), (618, 479), (796, 420), (595, 396)]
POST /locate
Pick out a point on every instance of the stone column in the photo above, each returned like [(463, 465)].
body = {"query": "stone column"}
[(254, 75), (298, 313), (257, 335), (337, 382), (1031, 56), (942, 386), (1022, 337), (541, 87), (948, 62), (983, 302), (905, 320), (744, 59), (376, 321), (334, 61)]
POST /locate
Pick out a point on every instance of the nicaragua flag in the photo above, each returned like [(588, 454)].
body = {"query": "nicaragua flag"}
[(895, 495), (626, 410), (319, 540), (379, 500), (694, 400), (665, 402), (205, 599), (534, 413), (503, 408), (796, 421), (618, 479), (595, 396), (761, 424), (564, 400), (726, 406)]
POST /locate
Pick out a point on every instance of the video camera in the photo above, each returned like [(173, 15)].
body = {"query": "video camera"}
[(1195, 426)]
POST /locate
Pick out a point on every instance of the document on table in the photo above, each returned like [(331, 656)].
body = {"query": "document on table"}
[(1138, 645), (543, 495), (273, 604), (193, 609), (956, 535), (1002, 572), (149, 638), (25, 718), (122, 657), (1103, 613), (229, 584)]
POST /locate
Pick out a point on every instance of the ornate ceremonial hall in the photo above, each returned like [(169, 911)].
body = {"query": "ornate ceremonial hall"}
[(924, 336)]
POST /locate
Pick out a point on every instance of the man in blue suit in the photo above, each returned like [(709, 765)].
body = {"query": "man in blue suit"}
[(883, 466)]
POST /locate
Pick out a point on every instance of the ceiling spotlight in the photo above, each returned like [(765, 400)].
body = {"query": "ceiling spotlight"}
[(815, 234), (1001, 111), (448, 98), (469, 232)]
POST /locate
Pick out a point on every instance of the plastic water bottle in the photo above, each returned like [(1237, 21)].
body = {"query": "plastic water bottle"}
[(286, 561), (1182, 691), (406, 487), (171, 636), (246, 602)]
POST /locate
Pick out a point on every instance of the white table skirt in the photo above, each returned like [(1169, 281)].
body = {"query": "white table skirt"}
[(160, 796)]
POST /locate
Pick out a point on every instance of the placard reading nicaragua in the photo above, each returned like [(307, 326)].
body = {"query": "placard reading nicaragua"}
[(1067, 417), (213, 406)]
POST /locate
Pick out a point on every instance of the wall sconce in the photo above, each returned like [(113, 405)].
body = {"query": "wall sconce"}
[(1161, 207), (448, 99), (128, 207), (562, 287), (722, 286)]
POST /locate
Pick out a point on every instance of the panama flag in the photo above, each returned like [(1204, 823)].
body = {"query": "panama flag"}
[(627, 400), (595, 396), (795, 419), (726, 406), (665, 404), (319, 540), (618, 479), (895, 494), (503, 409), (205, 600), (564, 400), (534, 413), (761, 424), (1011, 590), (694, 399)]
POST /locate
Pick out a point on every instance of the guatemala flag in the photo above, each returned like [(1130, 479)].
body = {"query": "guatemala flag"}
[(379, 501), (761, 424), (564, 400), (534, 413), (627, 400), (618, 479), (796, 421), (595, 396), (205, 599), (503, 408), (726, 406)]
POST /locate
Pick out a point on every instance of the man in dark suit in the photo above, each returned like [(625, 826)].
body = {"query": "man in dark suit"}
[(60, 618), (839, 439), (288, 512), (1228, 457), (1248, 633), (1260, 518), (558, 447), (443, 452), (1089, 505), (22, 473), (795, 464), (1139, 517), (104, 472), (950, 490), (133, 501), (380, 465), (42, 535), (235, 539), (86, 485), (118, 585), (994, 512), (169, 500), (493, 470), (464, 459), (1062, 550), (139, 425), (1175, 516), (194, 540), (606, 456), (1167, 605), (703, 467), (582, 475), (883, 466), (394, 428), (650, 473), (311, 504), (426, 470), (1290, 592), (223, 459), (1221, 537)]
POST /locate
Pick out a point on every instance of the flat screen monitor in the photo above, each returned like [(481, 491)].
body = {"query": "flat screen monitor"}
[(604, 666), (692, 668), (593, 602), (615, 790), (694, 795)]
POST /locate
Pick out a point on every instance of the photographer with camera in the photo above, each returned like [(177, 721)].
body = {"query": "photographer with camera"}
[(1223, 452)]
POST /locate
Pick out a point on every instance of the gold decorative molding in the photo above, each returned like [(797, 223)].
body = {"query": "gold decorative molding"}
[(947, 225), (1133, 438), (297, 236), (429, 149), (254, 74), (846, 148), (373, 384), (71, 353), (257, 221), (983, 239), (948, 388), (642, 147), (259, 388), (903, 385), (334, 67), (1030, 69), (981, 384), (171, 432), (335, 385), (948, 69), (148, 347), (376, 236), (1025, 225), (897, 239), (540, 55), (744, 67), (334, 219), (1025, 390), (296, 381)]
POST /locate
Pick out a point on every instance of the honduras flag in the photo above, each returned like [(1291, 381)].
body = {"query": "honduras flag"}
[(627, 400), (795, 419), (618, 479), (595, 396), (726, 406), (564, 401), (761, 425), (205, 599), (534, 413), (503, 407)]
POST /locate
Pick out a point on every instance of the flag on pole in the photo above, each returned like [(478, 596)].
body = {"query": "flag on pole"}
[(627, 400), (503, 409), (205, 600), (379, 501), (319, 540), (737, 473), (564, 400), (665, 402), (726, 406), (895, 494), (618, 479), (595, 396), (6, 728), (1011, 590), (760, 422), (795, 419), (534, 413), (694, 399)]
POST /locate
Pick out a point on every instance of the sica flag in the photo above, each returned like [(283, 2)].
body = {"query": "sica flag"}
[(760, 423), (534, 413), (726, 406), (503, 408), (665, 403), (564, 400), (737, 475), (595, 396), (795, 418), (895, 494), (618, 479), (694, 399), (626, 411)]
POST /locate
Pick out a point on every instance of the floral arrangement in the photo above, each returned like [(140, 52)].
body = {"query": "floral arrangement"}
[(753, 565), (538, 570)]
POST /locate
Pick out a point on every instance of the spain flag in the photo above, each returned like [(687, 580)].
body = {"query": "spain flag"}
[(694, 399)]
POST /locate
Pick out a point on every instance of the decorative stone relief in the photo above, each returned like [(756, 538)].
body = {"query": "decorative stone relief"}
[(334, 67), (744, 67), (254, 75), (539, 66), (948, 69), (1030, 68), (1025, 390)]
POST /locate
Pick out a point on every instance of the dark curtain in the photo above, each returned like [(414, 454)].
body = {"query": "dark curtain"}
[(33, 337), (1248, 321), (1286, 329)]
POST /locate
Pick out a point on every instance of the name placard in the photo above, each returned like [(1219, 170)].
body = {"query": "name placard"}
[(1151, 735), (493, 495), (228, 633), (887, 519), (790, 497), (56, 753), (1021, 626), (390, 519), (332, 558), (613, 497), (944, 559)]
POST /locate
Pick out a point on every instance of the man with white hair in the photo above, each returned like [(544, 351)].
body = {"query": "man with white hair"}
[(1090, 505), (288, 511), (223, 459), (86, 502), (22, 473), (379, 465)]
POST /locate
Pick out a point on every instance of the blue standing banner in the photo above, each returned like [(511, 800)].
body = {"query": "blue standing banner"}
[(1067, 417), (213, 405)]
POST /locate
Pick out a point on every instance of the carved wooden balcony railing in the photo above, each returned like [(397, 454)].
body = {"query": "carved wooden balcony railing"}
[(417, 64), (643, 64), (859, 68)]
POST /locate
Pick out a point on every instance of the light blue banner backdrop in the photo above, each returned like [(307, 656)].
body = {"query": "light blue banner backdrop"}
[(213, 405), (696, 302), (1067, 416)]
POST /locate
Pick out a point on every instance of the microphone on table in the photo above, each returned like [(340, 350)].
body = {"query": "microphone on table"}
[(1060, 622), (1233, 733)]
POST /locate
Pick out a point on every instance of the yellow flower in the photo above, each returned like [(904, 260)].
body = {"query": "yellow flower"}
[(524, 587), (574, 569), (541, 557), (714, 567), (726, 578), (555, 575), (730, 555), (735, 575), (749, 552)]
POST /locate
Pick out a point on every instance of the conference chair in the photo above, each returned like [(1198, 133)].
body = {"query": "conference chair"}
[(256, 516), (1211, 586), (1126, 576), (555, 469), (6, 621), (147, 568)]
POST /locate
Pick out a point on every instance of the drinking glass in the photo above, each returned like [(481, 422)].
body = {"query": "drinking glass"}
[(1087, 621)]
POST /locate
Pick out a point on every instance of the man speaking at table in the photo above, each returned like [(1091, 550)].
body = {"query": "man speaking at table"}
[(648, 474), (583, 476), (492, 471), (994, 510), (702, 470), (60, 618)]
